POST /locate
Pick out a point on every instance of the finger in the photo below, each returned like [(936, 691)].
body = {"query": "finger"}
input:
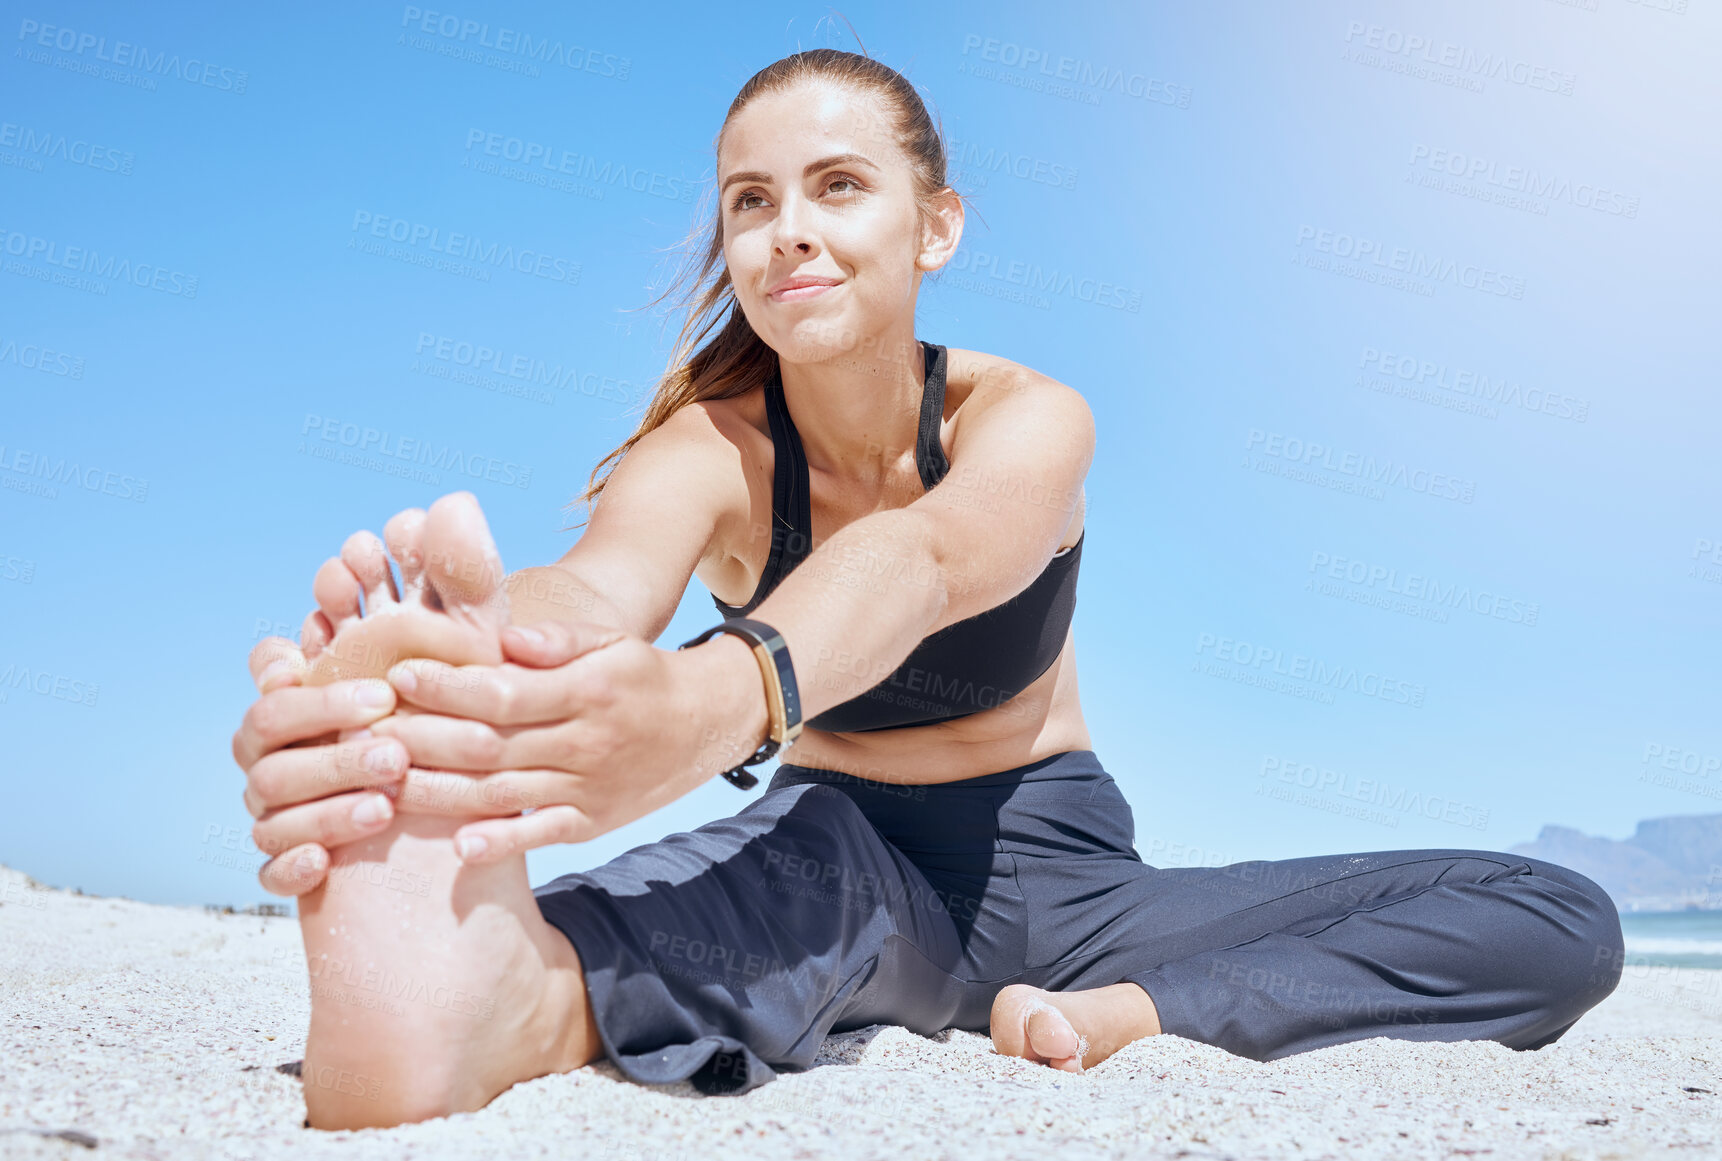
[(368, 561), (328, 822), (300, 713), (498, 795), (505, 695), (493, 840), (274, 662), (439, 742), (296, 871), (543, 644), (301, 774), (443, 742)]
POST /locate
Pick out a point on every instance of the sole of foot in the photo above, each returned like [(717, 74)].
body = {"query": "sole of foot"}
[(435, 986)]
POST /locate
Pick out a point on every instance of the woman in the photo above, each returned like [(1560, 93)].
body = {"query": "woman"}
[(940, 848)]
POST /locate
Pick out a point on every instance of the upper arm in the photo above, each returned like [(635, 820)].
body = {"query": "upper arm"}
[(1020, 450), (657, 518)]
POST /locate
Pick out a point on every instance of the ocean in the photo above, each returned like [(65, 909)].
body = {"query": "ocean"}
[(1688, 939)]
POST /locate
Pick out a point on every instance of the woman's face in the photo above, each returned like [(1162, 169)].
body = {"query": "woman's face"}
[(813, 186)]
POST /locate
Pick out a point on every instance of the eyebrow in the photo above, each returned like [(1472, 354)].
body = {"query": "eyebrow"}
[(811, 168)]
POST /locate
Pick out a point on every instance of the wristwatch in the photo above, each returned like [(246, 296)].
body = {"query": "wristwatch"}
[(782, 695)]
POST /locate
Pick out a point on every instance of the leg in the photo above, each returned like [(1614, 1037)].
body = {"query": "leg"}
[(1270, 958), (1419, 945), (724, 953)]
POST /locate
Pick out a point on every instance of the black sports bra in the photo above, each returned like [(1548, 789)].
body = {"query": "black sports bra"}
[(972, 665)]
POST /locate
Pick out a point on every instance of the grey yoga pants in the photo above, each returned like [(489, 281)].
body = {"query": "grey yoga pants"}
[(831, 902)]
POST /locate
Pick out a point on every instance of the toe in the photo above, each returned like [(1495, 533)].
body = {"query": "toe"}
[(405, 533), (337, 592), (1051, 1037), (367, 560), (315, 634), (461, 562)]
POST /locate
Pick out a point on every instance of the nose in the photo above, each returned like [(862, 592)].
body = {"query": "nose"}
[(794, 227)]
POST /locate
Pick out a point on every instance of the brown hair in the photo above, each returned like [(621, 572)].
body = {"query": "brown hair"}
[(737, 360)]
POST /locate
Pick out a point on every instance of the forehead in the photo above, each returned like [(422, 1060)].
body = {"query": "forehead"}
[(805, 121)]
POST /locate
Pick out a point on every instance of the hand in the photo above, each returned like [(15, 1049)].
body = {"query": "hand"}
[(584, 727), (308, 781)]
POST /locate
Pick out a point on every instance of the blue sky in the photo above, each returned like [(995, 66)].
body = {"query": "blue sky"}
[(1404, 511)]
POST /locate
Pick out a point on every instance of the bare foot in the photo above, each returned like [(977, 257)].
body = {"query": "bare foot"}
[(1070, 1030), (434, 986), (451, 607)]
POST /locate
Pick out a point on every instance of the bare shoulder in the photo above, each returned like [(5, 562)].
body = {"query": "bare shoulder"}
[(719, 454), (1008, 420), (978, 383)]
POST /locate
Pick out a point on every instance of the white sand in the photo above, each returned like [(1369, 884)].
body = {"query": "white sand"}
[(156, 1032)]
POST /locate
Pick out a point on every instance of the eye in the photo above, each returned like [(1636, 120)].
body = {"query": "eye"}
[(739, 203)]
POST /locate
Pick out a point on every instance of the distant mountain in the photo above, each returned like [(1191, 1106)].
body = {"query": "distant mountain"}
[(1668, 864)]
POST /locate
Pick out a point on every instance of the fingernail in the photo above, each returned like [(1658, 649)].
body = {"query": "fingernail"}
[(404, 679), (373, 694), (273, 670), (530, 636), (371, 811), (384, 759), (471, 847)]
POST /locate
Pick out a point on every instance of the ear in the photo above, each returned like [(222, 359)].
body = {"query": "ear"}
[(940, 234)]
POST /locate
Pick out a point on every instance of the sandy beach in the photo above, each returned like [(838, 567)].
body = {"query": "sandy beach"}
[(136, 1030)]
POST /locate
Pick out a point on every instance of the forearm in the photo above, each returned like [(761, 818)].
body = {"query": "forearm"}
[(553, 593), (858, 605)]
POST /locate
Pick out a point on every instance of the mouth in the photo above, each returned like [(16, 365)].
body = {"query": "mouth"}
[(803, 293)]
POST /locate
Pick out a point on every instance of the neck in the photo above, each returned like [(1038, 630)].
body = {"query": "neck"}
[(858, 415)]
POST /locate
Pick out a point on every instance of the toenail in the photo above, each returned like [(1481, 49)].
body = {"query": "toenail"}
[(373, 694), (371, 811)]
